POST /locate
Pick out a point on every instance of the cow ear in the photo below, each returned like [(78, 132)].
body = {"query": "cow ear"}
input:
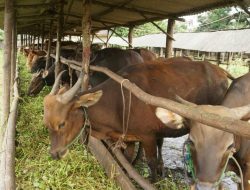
[(88, 100), (170, 119)]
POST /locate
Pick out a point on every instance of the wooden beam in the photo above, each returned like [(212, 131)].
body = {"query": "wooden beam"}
[(7, 172), (13, 56), (49, 45), (130, 36), (86, 43), (169, 41), (8, 28), (59, 34)]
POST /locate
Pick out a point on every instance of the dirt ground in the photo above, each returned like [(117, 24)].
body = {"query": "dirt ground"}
[(172, 156)]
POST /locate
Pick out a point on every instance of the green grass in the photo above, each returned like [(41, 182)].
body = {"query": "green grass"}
[(34, 167)]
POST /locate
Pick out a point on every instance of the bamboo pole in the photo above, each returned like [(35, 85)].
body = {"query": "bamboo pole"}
[(169, 41), (8, 28), (86, 32), (58, 38)]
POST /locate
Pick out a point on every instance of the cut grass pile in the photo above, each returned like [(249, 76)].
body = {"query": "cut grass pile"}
[(34, 167)]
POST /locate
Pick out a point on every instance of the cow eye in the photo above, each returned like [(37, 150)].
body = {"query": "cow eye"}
[(61, 126)]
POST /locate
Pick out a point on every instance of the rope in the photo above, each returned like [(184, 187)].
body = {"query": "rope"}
[(120, 142), (241, 173)]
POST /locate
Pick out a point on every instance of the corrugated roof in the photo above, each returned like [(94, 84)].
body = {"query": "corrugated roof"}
[(219, 41), (105, 13)]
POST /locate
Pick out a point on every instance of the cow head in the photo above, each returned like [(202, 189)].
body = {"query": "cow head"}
[(63, 115), (37, 83), (210, 148), (32, 58)]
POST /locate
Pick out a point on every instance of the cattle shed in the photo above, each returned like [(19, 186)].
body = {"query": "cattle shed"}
[(196, 44), (47, 19)]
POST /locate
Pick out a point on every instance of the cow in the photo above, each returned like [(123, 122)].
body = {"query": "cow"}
[(32, 56), (171, 60), (112, 58), (211, 148), (146, 54), (65, 112), (47, 78)]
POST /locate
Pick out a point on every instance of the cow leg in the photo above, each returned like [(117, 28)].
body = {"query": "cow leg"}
[(150, 147), (160, 164), (129, 151)]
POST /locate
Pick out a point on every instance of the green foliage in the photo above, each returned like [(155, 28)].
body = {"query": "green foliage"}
[(180, 27), (221, 19), (1, 35), (144, 29)]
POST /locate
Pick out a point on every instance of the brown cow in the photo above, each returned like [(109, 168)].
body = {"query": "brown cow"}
[(199, 82), (146, 54), (33, 56), (171, 60), (210, 147)]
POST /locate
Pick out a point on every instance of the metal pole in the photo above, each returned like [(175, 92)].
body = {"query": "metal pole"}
[(86, 31), (58, 38), (169, 41)]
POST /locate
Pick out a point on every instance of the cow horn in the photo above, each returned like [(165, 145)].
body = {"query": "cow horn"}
[(69, 95), (56, 84), (185, 102)]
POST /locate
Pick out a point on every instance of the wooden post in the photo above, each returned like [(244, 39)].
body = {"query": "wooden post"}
[(218, 58), (13, 55), (8, 28), (42, 42), (58, 38), (22, 42), (49, 45), (26, 39), (33, 41), (86, 31), (130, 36), (169, 41)]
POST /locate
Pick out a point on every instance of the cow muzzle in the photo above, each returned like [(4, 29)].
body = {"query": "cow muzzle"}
[(57, 155)]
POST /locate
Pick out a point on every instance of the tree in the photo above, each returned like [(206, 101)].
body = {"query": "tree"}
[(143, 29), (222, 19)]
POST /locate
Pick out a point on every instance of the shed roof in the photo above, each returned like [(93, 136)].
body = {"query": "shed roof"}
[(218, 41), (106, 13)]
